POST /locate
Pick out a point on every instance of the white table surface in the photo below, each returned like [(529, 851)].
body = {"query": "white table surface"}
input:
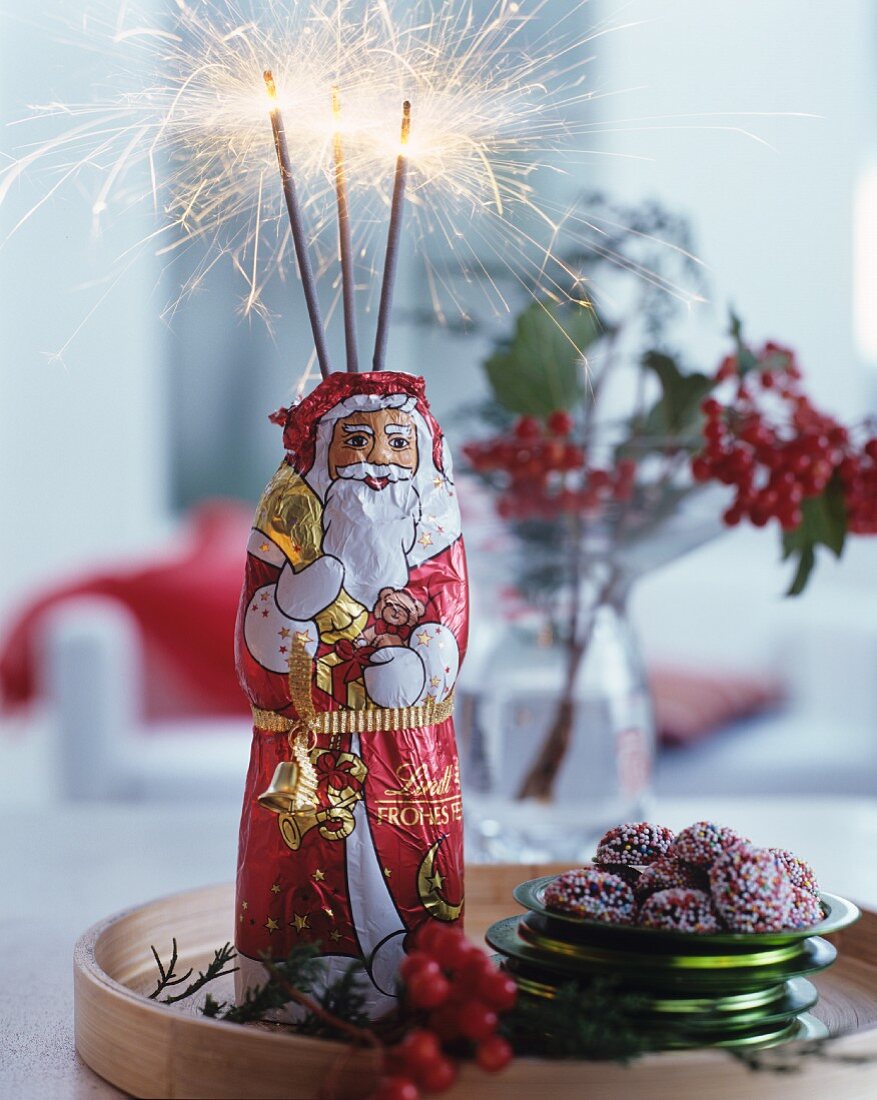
[(71, 865)]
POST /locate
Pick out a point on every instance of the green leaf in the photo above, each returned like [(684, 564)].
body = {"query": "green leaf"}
[(540, 369), (745, 359), (806, 563), (824, 523), (678, 410)]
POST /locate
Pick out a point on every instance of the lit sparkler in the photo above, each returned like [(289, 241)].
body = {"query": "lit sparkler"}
[(500, 101)]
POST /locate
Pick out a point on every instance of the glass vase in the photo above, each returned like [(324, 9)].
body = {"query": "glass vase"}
[(557, 725)]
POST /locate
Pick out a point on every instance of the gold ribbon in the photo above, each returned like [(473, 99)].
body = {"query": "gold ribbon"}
[(333, 722)]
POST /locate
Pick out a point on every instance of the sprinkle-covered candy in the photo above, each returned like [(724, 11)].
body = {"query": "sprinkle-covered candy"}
[(806, 909), (799, 873), (750, 890), (636, 842), (630, 875), (702, 842), (667, 873), (595, 895), (680, 910)]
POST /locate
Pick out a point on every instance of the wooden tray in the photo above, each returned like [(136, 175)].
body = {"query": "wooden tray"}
[(150, 1050)]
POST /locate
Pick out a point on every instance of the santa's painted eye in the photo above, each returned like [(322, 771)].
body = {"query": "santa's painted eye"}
[(358, 440), (398, 442)]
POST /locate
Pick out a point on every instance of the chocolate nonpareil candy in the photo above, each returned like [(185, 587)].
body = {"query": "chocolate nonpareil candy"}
[(352, 625)]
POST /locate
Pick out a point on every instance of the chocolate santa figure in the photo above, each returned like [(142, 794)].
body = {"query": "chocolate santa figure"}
[(351, 629)]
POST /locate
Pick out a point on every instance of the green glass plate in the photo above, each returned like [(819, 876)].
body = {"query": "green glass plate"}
[(701, 1015), (805, 1028), (643, 970), (839, 913)]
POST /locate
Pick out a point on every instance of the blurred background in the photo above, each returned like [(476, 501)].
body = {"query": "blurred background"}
[(115, 457)]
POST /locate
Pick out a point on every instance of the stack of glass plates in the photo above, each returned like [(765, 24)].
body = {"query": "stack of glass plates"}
[(725, 988)]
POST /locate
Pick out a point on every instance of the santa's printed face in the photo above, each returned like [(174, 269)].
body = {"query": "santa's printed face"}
[(375, 447)]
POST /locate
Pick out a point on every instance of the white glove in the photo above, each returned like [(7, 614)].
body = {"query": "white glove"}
[(305, 594), (395, 677)]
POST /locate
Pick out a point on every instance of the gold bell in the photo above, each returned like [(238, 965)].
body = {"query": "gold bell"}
[(284, 793)]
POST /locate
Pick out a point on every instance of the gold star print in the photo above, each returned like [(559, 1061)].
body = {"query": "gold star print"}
[(241, 919), (264, 547), (264, 596), (438, 482), (435, 682), (328, 912), (284, 632), (425, 539), (300, 922), (318, 875), (388, 872), (271, 925), (437, 880), (423, 638), (275, 889), (335, 935), (245, 905), (302, 636)]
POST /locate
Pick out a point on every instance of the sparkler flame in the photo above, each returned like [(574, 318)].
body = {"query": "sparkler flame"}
[(500, 102)]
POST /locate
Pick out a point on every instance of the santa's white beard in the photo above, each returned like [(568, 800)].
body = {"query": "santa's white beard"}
[(371, 532)]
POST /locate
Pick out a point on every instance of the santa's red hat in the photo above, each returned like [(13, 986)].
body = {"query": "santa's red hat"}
[(300, 422)]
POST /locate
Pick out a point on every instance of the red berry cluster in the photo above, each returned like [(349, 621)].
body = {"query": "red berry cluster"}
[(777, 450), (456, 994), (543, 473)]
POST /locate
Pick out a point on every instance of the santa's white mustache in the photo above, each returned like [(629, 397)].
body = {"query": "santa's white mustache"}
[(359, 471)]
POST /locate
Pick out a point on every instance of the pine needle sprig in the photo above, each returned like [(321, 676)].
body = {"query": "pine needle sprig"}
[(336, 1011), (598, 1022), (168, 978), (343, 999), (299, 968)]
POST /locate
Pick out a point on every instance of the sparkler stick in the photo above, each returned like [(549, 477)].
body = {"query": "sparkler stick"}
[(397, 211), (344, 242), (298, 231)]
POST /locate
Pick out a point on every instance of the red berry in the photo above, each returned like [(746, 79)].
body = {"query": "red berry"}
[(871, 449), (418, 962), (493, 1054), (732, 516), (626, 470), (476, 1021), (455, 951), (573, 457), (714, 431), (599, 480), (711, 408), (396, 1088), (701, 469), (560, 423), (528, 428), (419, 1048), (438, 1076), (427, 990), (727, 368), (497, 990), (431, 936)]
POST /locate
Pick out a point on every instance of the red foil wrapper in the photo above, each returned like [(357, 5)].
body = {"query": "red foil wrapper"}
[(356, 557)]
